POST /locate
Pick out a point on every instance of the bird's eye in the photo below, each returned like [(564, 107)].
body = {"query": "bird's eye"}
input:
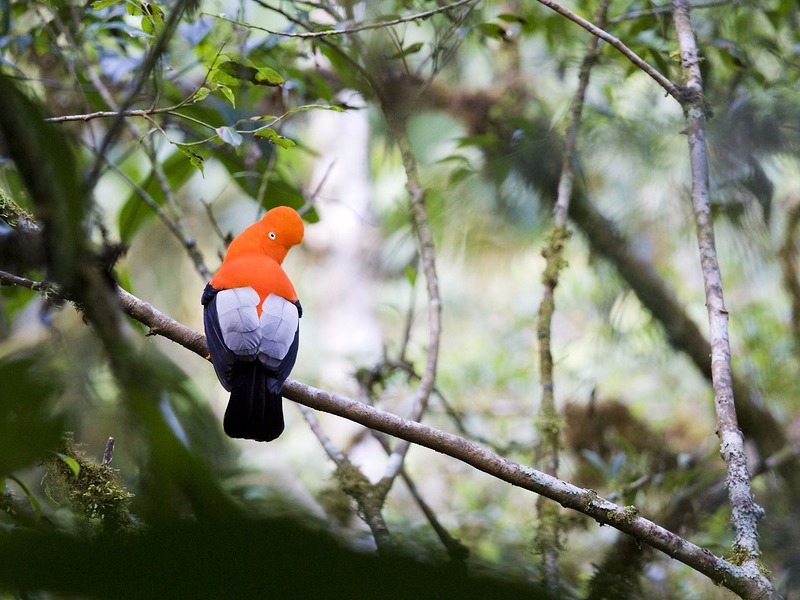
[(271, 235)]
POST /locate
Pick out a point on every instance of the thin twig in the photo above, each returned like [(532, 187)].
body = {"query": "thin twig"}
[(106, 114), (548, 423), (455, 549), (174, 225), (428, 256), (354, 484), (421, 16), (337, 456), (148, 64), (637, 60), (745, 512), (665, 10), (11, 279)]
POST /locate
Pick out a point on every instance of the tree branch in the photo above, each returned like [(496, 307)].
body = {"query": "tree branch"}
[(427, 250), (654, 73), (353, 483), (421, 16), (548, 425), (587, 502), (745, 511)]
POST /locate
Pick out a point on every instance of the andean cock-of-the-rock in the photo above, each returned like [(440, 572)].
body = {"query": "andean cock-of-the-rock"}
[(251, 318)]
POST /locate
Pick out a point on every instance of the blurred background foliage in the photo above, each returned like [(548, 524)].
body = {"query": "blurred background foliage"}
[(253, 106)]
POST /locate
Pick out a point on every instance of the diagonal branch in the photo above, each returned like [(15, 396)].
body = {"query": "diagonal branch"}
[(587, 502), (745, 511), (354, 483), (637, 60)]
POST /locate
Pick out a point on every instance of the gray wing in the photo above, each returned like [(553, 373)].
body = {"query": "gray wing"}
[(238, 320), (277, 327)]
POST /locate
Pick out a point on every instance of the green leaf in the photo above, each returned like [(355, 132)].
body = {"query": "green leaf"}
[(101, 4), (460, 174), (70, 462), (493, 30), (245, 71), (152, 19), (410, 274), (267, 76), (221, 78), (200, 94), (274, 137), (194, 158), (280, 193), (228, 93), (34, 501), (509, 18)]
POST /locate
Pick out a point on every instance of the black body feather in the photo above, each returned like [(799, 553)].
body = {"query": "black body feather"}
[(255, 408)]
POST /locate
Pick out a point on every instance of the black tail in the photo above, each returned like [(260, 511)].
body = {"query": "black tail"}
[(253, 412)]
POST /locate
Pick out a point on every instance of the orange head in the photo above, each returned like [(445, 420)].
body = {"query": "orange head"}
[(280, 229)]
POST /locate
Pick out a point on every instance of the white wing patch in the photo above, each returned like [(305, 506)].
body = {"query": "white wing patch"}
[(238, 320), (278, 325)]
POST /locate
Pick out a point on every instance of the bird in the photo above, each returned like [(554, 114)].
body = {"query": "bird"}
[(251, 317)]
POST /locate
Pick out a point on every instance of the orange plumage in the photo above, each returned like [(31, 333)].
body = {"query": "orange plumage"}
[(255, 256)]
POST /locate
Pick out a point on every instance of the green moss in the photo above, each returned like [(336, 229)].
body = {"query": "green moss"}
[(10, 211), (93, 489), (739, 556), (629, 513), (355, 484), (553, 252), (549, 423), (337, 504)]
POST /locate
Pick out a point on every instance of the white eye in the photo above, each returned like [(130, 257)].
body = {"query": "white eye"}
[(271, 235)]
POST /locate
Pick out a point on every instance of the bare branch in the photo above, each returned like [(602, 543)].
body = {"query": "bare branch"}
[(108, 453), (108, 114), (421, 16), (548, 421), (174, 224), (11, 279), (625, 519), (428, 256), (354, 483), (745, 511), (637, 60)]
